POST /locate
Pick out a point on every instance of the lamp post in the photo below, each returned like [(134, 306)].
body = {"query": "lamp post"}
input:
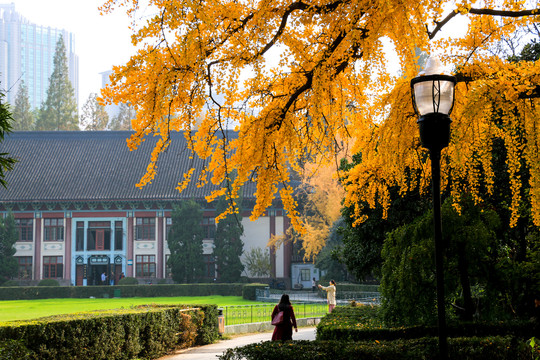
[(433, 100)]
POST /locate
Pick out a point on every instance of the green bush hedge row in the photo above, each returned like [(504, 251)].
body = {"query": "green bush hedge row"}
[(55, 292), (493, 348), (356, 287), (362, 322), (344, 291), (249, 291), (144, 332)]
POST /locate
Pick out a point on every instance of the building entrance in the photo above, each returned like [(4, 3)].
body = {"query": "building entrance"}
[(97, 266)]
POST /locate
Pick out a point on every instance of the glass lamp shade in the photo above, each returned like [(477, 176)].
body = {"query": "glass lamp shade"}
[(433, 94), (433, 100)]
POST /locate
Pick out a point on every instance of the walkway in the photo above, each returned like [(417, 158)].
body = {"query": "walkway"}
[(211, 351)]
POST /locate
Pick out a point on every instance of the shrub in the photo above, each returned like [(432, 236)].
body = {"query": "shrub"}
[(11, 283), (49, 282), (141, 332), (165, 290), (249, 291), (14, 349), (493, 348), (363, 322), (128, 281)]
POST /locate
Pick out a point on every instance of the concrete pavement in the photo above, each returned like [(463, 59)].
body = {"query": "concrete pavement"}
[(211, 351)]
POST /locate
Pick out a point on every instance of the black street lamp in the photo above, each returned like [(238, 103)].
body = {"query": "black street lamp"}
[(433, 100)]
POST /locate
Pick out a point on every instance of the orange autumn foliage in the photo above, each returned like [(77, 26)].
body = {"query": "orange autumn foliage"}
[(294, 76)]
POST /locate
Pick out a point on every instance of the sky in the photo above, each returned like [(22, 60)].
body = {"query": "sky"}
[(100, 41)]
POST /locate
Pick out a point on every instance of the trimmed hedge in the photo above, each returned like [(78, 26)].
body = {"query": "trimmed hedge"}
[(355, 287), (249, 291), (493, 348), (342, 290), (163, 290), (128, 281), (48, 282), (361, 323), (144, 332)]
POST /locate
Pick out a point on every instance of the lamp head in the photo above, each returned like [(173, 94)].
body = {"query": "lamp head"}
[(433, 99)]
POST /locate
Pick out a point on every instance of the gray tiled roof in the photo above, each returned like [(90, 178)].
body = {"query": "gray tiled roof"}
[(93, 166)]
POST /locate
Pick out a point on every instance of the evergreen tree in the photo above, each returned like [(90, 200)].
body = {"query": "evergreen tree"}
[(59, 111), (122, 120), (185, 242), (93, 117), (228, 245), (23, 117), (6, 162), (8, 237)]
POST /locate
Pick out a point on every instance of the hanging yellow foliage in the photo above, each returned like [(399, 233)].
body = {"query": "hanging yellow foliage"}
[(292, 77)]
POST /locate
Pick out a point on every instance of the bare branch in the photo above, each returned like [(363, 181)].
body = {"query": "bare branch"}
[(485, 11)]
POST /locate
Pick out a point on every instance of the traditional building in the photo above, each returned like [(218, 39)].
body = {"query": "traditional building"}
[(80, 215)]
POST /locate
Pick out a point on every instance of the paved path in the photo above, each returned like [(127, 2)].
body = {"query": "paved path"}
[(213, 350)]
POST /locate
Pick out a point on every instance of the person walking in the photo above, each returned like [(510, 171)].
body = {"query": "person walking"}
[(330, 294), (313, 285), (285, 313)]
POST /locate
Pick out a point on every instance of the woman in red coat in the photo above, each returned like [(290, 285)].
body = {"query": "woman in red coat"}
[(283, 331)]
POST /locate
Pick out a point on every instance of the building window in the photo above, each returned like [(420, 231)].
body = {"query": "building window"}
[(145, 266), (209, 227), (25, 267), (168, 268), (79, 236), (54, 229), (146, 228), (26, 229), (210, 264), (98, 235), (168, 225), (305, 274), (53, 267), (118, 235)]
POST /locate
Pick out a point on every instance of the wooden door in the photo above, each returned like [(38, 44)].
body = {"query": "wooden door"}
[(100, 239), (79, 275)]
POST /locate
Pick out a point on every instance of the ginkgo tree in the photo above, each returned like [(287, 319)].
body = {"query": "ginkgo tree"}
[(299, 79)]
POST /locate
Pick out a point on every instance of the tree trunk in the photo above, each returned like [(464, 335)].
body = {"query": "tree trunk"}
[(465, 283)]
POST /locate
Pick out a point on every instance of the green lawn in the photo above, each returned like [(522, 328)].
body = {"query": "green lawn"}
[(32, 309)]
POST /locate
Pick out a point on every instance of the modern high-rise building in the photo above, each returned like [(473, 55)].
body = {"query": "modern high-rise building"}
[(27, 53), (111, 109)]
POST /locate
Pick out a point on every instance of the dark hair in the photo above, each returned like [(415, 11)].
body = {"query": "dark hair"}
[(333, 282), (284, 303)]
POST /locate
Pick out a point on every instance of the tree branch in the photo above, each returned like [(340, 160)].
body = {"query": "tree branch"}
[(491, 12), (533, 94)]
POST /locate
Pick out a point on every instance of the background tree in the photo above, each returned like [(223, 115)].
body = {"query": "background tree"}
[(93, 117), (23, 117), (329, 260), (185, 242), (228, 244), (323, 194), (59, 110), (6, 162), (122, 120), (408, 282), (8, 237), (363, 241), (257, 262)]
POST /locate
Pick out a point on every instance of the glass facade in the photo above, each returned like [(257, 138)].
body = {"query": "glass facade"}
[(30, 53)]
